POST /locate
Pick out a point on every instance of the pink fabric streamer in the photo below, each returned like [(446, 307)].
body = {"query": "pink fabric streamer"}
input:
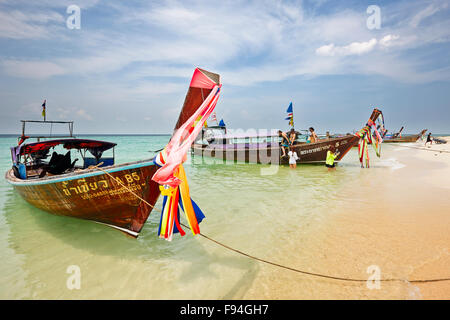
[(380, 139), (199, 80), (181, 141)]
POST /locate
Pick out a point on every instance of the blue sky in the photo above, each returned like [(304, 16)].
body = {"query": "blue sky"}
[(126, 70)]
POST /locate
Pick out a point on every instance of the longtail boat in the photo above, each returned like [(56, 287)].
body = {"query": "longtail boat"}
[(266, 149), (396, 138), (64, 187)]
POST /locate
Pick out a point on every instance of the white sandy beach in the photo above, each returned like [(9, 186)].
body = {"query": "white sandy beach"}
[(403, 227)]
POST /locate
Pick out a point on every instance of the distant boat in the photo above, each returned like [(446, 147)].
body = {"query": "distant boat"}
[(396, 138), (265, 149), (63, 187)]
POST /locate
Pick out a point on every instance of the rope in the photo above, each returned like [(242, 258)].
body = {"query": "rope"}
[(121, 183), (313, 273), (155, 151), (319, 275)]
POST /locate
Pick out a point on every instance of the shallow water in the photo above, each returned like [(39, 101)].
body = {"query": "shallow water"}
[(282, 217)]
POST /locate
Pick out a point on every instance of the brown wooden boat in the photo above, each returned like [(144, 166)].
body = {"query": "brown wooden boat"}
[(266, 149), (408, 138), (61, 187)]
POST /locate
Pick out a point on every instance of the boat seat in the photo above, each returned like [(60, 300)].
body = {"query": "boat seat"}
[(55, 158), (60, 163)]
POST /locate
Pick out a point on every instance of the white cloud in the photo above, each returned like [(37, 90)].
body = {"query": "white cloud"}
[(83, 114), (20, 25), (66, 113), (326, 50), (52, 3), (63, 113), (354, 48), (31, 69), (427, 12), (32, 109), (388, 40), (249, 42)]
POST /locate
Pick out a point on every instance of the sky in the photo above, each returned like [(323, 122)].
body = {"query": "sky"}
[(128, 66)]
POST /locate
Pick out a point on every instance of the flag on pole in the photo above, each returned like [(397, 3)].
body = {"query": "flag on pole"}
[(43, 108), (221, 123), (290, 113), (214, 117)]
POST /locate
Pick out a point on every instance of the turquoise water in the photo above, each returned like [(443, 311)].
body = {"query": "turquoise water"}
[(266, 215)]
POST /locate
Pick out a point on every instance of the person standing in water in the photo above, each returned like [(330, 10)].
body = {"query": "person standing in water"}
[(292, 158), (313, 137), (331, 156)]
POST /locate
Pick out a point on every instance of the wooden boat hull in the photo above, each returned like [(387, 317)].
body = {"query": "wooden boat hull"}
[(271, 153), (412, 138), (317, 152), (93, 195)]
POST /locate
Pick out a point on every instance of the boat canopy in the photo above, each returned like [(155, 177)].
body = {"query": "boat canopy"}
[(95, 147)]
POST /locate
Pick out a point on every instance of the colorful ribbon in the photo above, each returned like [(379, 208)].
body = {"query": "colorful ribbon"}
[(172, 177), (366, 138), (175, 199)]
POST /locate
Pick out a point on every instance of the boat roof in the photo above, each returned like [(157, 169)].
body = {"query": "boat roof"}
[(28, 148)]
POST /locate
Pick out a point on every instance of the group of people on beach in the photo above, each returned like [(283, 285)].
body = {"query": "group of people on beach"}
[(288, 143)]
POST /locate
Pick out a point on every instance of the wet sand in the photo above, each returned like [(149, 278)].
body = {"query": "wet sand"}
[(402, 227)]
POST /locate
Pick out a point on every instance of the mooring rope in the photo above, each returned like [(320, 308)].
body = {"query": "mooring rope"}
[(121, 183), (155, 151), (274, 263)]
